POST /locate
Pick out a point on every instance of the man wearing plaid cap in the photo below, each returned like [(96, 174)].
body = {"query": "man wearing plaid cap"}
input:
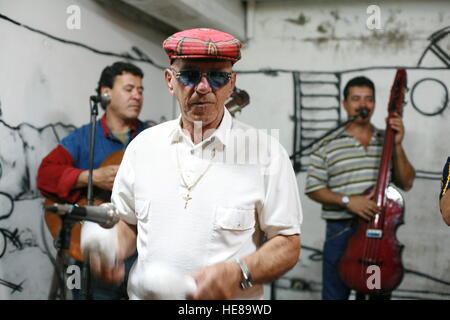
[(198, 221)]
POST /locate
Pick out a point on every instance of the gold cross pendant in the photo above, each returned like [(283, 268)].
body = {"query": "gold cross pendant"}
[(186, 198)]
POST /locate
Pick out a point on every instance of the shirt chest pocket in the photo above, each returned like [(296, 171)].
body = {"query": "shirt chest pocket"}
[(234, 219), (232, 233)]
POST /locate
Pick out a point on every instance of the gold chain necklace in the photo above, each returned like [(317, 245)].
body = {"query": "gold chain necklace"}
[(187, 197)]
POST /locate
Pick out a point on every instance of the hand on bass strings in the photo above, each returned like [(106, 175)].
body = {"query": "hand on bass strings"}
[(396, 123), (363, 206)]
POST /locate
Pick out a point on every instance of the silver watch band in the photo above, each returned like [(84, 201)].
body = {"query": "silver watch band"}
[(246, 281)]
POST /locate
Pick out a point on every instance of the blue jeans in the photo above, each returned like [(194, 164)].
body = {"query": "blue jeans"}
[(101, 290), (336, 238), (337, 234)]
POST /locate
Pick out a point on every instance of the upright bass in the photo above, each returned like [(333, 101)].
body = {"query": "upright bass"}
[(372, 262)]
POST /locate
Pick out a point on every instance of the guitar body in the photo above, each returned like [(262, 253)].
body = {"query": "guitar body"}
[(54, 221), (239, 99), (384, 252)]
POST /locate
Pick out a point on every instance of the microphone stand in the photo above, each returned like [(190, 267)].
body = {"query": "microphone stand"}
[(86, 275), (362, 113), (62, 243), (94, 113)]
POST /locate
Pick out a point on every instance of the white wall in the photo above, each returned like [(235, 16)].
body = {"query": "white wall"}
[(42, 82), (333, 37), (57, 78)]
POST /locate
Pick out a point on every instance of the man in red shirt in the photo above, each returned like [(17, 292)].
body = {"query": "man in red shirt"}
[(63, 173)]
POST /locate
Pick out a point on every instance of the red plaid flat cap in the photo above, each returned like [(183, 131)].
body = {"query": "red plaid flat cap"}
[(203, 43)]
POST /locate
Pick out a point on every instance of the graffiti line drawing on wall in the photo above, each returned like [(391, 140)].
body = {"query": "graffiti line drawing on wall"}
[(436, 47), (23, 148), (432, 87), (317, 107), (317, 100), (18, 178), (141, 56)]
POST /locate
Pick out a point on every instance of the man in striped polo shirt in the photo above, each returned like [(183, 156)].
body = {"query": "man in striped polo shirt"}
[(342, 167)]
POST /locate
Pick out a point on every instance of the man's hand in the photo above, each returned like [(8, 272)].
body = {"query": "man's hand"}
[(396, 123), (104, 177), (159, 281), (114, 274), (444, 205), (217, 282), (107, 249), (363, 206)]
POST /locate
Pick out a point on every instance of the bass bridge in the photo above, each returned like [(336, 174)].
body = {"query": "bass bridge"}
[(374, 233)]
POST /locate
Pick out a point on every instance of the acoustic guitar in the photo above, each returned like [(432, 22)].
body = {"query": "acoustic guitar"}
[(238, 100), (54, 221)]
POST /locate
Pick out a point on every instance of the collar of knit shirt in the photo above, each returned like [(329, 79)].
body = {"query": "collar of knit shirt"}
[(220, 135)]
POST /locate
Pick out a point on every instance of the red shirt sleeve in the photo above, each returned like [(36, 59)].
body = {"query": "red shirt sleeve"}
[(56, 176)]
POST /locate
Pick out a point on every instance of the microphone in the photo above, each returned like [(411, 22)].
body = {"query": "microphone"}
[(364, 112), (103, 99), (105, 215)]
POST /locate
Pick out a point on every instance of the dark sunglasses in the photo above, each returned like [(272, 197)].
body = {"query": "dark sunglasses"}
[(192, 77)]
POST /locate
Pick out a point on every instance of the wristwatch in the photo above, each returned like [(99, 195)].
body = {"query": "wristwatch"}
[(345, 200), (246, 279)]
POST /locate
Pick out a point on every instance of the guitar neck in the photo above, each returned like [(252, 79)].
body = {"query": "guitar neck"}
[(394, 106), (385, 164)]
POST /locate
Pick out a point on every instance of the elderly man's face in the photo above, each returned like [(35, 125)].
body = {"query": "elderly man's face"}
[(200, 102)]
